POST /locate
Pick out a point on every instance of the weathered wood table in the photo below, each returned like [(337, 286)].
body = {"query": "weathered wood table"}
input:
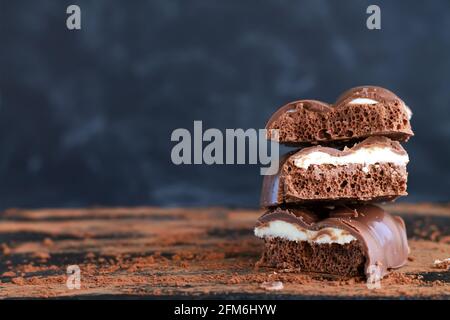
[(199, 253)]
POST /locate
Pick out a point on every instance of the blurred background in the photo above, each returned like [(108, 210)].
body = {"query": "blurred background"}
[(86, 116)]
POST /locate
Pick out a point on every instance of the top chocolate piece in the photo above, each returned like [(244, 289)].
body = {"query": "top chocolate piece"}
[(358, 113)]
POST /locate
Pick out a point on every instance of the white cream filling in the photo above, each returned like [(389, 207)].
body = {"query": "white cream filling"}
[(364, 156), (363, 101), (289, 231), (371, 101)]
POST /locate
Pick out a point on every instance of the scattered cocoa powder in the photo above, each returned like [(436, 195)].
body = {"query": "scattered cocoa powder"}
[(183, 253)]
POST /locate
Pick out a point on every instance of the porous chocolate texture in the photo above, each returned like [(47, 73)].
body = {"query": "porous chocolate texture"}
[(347, 182), (347, 260), (381, 182), (359, 113), (378, 240)]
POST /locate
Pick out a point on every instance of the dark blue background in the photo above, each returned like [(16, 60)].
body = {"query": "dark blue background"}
[(86, 116)]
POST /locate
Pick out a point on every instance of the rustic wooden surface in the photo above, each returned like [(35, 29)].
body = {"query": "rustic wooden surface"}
[(176, 253)]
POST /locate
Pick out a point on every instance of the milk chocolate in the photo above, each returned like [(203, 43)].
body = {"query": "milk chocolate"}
[(378, 242), (358, 113), (347, 180)]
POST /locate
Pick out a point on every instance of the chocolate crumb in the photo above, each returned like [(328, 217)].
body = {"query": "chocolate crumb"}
[(90, 255), (8, 274), (442, 264), (19, 281), (5, 249), (445, 239), (48, 242), (41, 255), (272, 286), (397, 278)]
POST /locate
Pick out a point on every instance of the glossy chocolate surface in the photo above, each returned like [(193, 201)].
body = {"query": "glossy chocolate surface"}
[(382, 235)]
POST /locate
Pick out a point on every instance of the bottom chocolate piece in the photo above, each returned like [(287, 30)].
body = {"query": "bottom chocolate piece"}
[(346, 260), (340, 241)]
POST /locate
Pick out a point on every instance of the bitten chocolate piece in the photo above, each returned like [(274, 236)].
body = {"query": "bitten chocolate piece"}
[(372, 170), (341, 241), (359, 113)]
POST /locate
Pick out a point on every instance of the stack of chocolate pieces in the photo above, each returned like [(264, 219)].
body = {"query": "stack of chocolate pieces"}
[(320, 214)]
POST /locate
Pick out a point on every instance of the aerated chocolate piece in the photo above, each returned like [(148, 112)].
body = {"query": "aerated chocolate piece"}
[(359, 113), (372, 170), (341, 241)]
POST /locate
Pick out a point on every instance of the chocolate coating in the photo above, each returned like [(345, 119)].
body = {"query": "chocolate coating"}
[(310, 105), (382, 235), (272, 192), (370, 92)]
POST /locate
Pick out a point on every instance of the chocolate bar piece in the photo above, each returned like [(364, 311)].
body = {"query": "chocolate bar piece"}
[(372, 170), (359, 113), (341, 241)]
